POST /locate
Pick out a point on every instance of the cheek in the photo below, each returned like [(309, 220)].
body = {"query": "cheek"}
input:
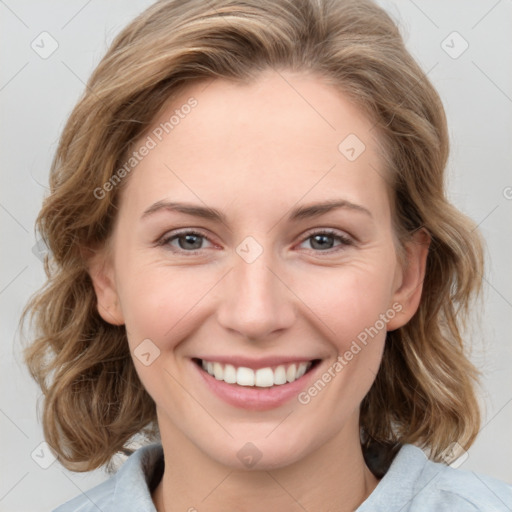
[(347, 300), (162, 307), (352, 310), (158, 302)]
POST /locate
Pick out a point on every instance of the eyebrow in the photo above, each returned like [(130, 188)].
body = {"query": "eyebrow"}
[(302, 212)]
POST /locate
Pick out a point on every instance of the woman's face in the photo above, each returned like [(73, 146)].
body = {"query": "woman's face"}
[(256, 236)]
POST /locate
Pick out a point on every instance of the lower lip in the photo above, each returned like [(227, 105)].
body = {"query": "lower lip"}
[(253, 398)]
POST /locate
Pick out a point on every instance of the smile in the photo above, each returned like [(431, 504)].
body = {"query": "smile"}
[(255, 384), (261, 377)]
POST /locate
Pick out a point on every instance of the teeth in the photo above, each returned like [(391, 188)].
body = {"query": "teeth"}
[(263, 377), (230, 374), (291, 373), (280, 375), (245, 376), (218, 371), (301, 370)]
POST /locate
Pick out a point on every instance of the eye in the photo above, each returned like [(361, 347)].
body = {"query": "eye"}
[(193, 242), (325, 240), (186, 241)]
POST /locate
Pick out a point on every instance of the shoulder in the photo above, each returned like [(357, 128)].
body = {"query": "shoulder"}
[(415, 483), (127, 490)]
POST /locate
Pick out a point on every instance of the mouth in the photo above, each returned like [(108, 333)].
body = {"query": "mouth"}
[(265, 377)]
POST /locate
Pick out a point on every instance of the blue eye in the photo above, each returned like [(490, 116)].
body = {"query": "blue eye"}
[(187, 241), (325, 240), (192, 242)]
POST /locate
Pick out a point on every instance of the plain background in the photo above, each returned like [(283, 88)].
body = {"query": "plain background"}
[(37, 94)]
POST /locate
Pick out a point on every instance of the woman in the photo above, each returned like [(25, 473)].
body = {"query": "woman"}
[(254, 263)]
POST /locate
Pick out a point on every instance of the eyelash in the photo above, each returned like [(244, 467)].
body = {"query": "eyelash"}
[(345, 241)]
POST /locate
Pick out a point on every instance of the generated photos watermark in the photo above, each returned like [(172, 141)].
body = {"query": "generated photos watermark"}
[(361, 341)]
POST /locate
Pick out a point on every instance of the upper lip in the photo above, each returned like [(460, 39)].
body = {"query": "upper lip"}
[(256, 363)]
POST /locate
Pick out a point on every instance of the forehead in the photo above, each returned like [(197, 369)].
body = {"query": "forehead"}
[(282, 136)]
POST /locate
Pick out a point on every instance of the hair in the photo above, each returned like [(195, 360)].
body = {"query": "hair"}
[(94, 402)]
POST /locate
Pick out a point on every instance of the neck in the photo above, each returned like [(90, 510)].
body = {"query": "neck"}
[(332, 477)]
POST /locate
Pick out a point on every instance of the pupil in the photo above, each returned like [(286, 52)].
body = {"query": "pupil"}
[(194, 242), (323, 241)]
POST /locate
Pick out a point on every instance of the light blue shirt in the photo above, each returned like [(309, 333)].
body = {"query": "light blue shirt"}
[(412, 484)]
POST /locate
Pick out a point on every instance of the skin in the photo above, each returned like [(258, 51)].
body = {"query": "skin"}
[(255, 152)]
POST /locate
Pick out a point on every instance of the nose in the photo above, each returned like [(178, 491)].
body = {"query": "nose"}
[(256, 302)]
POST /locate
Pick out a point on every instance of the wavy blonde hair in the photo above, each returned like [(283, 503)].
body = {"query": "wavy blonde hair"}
[(94, 402)]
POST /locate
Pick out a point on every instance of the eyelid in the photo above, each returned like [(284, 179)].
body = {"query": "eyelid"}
[(328, 231), (346, 240), (166, 238)]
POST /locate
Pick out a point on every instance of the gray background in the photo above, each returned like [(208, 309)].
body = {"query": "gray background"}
[(37, 94)]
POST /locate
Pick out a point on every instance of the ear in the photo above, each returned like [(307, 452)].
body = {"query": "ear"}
[(100, 268), (409, 279)]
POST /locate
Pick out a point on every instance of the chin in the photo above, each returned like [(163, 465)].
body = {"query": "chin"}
[(265, 451)]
